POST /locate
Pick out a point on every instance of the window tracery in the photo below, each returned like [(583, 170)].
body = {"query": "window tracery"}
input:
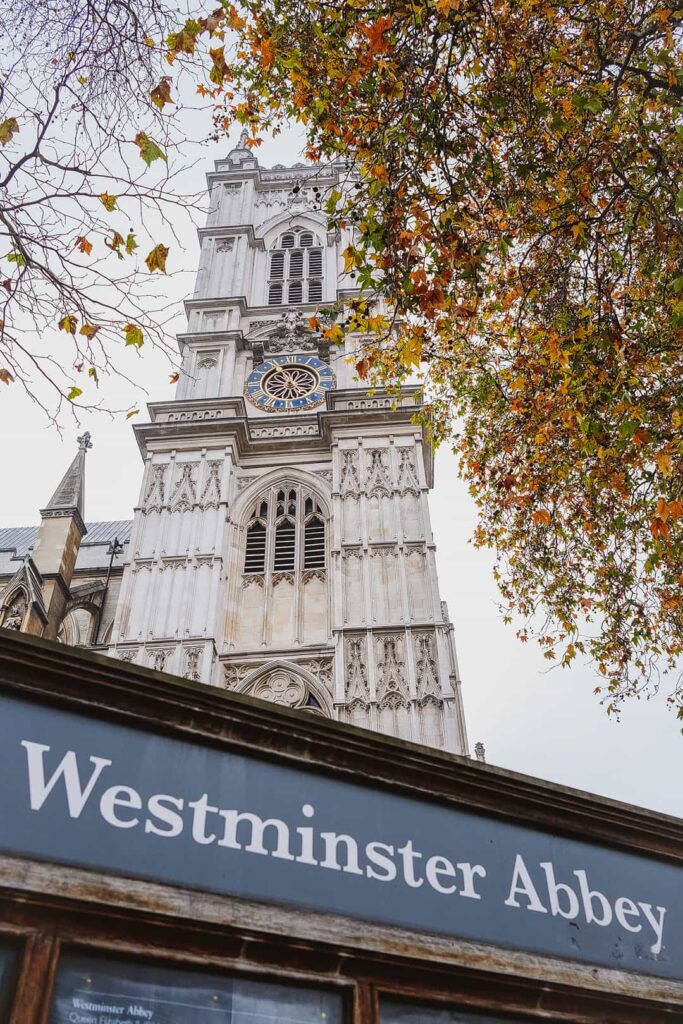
[(295, 269), (286, 532)]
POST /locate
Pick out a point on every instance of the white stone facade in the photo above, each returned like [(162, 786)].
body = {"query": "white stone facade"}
[(353, 630)]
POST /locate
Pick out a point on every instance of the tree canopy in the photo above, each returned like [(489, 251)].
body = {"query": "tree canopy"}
[(517, 196)]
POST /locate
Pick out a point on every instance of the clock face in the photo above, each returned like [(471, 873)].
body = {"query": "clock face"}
[(289, 383)]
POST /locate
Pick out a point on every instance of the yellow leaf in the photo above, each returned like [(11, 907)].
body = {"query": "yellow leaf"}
[(108, 202), (89, 330), (411, 352), (68, 324), (8, 128), (133, 412), (664, 462), (333, 334), (156, 259)]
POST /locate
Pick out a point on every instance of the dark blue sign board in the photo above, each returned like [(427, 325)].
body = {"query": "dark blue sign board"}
[(82, 791)]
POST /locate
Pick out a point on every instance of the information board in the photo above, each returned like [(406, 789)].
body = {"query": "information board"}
[(90, 990), (79, 790)]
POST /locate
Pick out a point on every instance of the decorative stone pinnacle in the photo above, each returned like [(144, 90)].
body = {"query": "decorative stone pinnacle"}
[(84, 442), (480, 752), (243, 138)]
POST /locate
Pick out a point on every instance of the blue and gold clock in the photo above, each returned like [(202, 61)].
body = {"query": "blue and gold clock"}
[(289, 383)]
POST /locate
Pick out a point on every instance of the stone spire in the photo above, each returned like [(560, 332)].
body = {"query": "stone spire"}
[(70, 493), (59, 538)]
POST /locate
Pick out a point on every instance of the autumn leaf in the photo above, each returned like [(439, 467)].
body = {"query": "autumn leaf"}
[(89, 330), (108, 202), (83, 245), (333, 334), (73, 394), (68, 324), (8, 128), (149, 149), (92, 373), (541, 517), (156, 259), (131, 244), (161, 93), (664, 460), (173, 378), (411, 351), (115, 244), (5, 376), (133, 335), (314, 323), (133, 412)]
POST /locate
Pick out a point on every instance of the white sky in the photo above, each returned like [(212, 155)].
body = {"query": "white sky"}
[(531, 720)]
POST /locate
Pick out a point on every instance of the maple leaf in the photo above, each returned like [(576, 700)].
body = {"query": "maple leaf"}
[(149, 149), (83, 245), (664, 462), (5, 376), (68, 324), (131, 244), (541, 517), (133, 335), (156, 259), (89, 330), (73, 394), (108, 202), (8, 128), (161, 93)]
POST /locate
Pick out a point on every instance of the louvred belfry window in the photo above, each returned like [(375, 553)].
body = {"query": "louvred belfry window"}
[(295, 269), (286, 532)]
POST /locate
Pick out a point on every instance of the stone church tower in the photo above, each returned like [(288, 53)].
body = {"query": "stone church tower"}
[(282, 543)]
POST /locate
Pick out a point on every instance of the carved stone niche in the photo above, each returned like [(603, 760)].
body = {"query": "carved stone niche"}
[(12, 615)]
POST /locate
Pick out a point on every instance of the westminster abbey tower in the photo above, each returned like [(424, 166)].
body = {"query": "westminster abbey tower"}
[(281, 546)]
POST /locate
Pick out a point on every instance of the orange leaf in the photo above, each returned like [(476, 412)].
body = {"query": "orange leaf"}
[(84, 245), (173, 378), (541, 516)]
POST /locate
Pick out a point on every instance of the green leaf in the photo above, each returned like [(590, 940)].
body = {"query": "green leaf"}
[(133, 412), (679, 200), (73, 394), (133, 335), (16, 257), (149, 150), (131, 244)]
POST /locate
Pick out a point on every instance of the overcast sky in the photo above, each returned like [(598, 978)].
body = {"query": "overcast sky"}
[(532, 720)]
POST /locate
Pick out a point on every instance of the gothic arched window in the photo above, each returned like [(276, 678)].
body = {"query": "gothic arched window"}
[(295, 269), (285, 532)]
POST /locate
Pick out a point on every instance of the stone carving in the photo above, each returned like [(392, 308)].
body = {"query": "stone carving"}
[(14, 612), (242, 482), (293, 430), (84, 442), (427, 679), (208, 361), (192, 656), (282, 688), (154, 499), (378, 480), (225, 244), (185, 493), (256, 325), (283, 577), (232, 186), (234, 674), (325, 474), (313, 574), (127, 656), (257, 578), (391, 683), (480, 752), (350, 482), (321, 669), (355, 673), (159, 657), (211, 494), (407, 473), (292, 334)]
